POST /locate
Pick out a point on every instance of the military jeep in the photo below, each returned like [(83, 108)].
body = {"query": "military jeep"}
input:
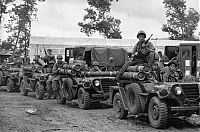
[(34, 80), (87, 87), (160, 101), (9, 77)]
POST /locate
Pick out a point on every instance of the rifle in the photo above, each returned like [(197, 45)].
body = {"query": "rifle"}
[(143, 45), (45, 51)]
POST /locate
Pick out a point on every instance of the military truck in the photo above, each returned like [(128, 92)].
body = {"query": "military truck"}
[(90, 87), (141, 94), (99, 54)]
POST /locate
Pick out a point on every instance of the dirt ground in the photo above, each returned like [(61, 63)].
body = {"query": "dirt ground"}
[(51, 117)]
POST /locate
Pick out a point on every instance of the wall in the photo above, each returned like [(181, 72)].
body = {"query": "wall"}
[(58, 44)]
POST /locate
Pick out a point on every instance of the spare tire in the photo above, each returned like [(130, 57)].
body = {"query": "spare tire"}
[(134, 103)]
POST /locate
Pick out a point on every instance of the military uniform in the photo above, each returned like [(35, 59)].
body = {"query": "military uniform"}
[(142, 53), (52, 82), (171, 75)]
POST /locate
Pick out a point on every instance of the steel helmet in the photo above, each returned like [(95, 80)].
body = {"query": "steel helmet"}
[(95, 63), (59, 57), (141, 32), (111, 58)]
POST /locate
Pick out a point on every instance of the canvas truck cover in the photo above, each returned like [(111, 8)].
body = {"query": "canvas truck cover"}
[(102, 55)]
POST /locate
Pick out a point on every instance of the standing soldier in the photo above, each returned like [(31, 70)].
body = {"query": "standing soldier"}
[(143, 52), (163, 57), (52, 82)]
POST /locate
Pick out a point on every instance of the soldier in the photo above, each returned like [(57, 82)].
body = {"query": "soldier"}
[(142, 53), (111, 65), (52, 82), (95, 67), (49, 58), (163, 57), (171, 75)]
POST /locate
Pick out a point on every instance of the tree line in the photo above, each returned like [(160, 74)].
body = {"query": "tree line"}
[(181, 21)]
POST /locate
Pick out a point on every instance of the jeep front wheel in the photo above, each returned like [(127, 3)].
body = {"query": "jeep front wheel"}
[(39, 90), (118, 107), (23, 89), (157, 113), (67, 89), (60, 97), (10, 85), (83, 99)]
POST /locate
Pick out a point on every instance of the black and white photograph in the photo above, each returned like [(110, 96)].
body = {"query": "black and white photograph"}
[(99, 65)]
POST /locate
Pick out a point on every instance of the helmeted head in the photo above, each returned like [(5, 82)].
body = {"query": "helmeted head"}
[(141, 33), (111, 59), (49, 51), (160, 53), (59, 58), (95, 63), (172, 65)]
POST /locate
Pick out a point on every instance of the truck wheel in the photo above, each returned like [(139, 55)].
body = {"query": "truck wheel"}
[(60, 97), (10, 85), (118, 107), (39, 90), (134, 103), (157, 113), (67, 89), (83, 99), (23, 89)]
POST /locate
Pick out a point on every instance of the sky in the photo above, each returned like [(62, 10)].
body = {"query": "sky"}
[(59, 18)]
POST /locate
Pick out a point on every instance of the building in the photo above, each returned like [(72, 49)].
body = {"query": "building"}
[(58, 44)]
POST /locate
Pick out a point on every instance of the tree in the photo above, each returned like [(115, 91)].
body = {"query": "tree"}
[(6, 45), (20, 24), (3, 7), (181, 23), (98, 19)]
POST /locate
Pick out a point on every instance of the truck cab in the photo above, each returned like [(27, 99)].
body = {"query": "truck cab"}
[(188, 58)]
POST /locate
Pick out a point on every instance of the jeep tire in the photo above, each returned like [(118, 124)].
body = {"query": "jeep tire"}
[(134, 103), (67, 89), (59, 96), (39, 90), (23, 89), (10, 85), (118, 107), (157, 113), (83, 99)]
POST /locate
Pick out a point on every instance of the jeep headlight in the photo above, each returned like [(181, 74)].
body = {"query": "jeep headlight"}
[(177, 90), (96, 83)]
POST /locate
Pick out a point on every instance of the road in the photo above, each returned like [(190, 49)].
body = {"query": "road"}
[(50, 116)]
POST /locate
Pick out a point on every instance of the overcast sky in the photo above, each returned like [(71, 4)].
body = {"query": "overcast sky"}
[(60, 17)]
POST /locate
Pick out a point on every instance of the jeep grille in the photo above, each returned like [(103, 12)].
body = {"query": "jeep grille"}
[(106, 83), (191, 92)]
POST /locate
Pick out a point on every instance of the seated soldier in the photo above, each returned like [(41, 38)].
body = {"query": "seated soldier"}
[(95, 67), (171, 75), (52, 80)]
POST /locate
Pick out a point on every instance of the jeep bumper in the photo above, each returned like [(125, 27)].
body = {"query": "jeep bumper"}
[(186, 108)]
